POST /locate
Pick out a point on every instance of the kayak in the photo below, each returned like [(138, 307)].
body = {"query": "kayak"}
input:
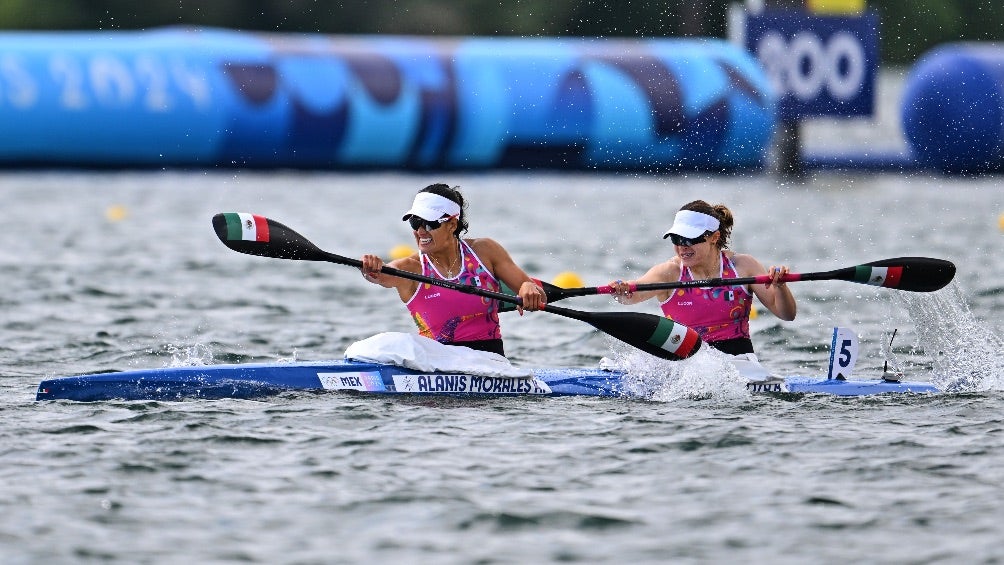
[(259, 380), (656, 335)]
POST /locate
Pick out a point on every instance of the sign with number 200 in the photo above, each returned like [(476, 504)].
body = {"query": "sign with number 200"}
[(819, 65)]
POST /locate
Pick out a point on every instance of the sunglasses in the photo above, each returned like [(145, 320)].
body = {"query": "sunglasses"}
[(415, 222), (686, 242)]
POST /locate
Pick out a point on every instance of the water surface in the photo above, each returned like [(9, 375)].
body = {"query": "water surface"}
[(699, 473)]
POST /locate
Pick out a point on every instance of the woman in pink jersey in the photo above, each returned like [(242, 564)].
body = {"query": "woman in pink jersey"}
[(700, 235), (438, 219)]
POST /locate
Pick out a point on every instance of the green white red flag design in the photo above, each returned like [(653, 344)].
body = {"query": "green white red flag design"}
[(675, 338), (246, 227), (888, 277)]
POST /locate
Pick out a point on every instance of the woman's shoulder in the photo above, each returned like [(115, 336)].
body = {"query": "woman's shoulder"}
[(667, 271), (483, 246), (411, 263), (738, 257), (745, 264)]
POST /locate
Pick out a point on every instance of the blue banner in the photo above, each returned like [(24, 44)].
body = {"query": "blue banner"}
[(212, 97), (818, 65)]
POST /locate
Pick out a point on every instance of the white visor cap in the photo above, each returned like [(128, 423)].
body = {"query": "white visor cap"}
[(429, 206), (690, 224)]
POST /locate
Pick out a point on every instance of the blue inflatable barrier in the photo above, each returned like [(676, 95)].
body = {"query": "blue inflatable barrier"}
[(207, 98), (953, 108)]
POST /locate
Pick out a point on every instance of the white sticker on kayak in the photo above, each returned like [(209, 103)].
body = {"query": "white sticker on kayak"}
[(843, 353), (772, 385), (470, 384), (369, 381)]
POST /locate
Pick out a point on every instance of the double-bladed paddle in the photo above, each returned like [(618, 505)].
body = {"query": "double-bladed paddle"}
[(258, 235), (916, 274)]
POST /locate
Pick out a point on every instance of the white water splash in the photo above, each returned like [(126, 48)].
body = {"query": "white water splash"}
[(199, 354), (966, 354), (706, 375), (290, 359), (190, 355)]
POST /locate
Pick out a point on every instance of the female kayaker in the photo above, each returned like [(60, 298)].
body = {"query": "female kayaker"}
[(438, 218), (720, 315)]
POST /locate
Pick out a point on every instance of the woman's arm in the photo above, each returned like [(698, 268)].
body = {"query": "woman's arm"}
[(497, 260), (661, 273), (775, 295), (405, 287)]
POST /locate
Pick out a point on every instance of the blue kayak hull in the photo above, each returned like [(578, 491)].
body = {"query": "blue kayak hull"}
[(258, 380)]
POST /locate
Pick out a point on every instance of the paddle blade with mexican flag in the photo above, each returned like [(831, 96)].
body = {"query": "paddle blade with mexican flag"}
[(655, 335), (257, 235), (916, 274)]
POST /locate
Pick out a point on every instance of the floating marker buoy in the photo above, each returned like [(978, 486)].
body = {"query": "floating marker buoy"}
[(1000, 222), (952, 112), (834, 7), (401, 251), (753, 313), (116, 213), (567, 279)]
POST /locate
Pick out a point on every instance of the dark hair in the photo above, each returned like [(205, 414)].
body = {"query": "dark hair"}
[(451, 193), (718, 211)]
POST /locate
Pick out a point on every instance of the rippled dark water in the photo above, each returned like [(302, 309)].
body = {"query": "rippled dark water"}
[(700, 473)]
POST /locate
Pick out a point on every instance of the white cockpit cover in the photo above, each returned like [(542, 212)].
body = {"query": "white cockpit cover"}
[(423, 354)]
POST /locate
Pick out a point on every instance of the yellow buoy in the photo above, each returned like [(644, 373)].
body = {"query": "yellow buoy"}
[(832, 7), (1000, 222), (116, 213), (401, 251), (753, 314), (567, 279)]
